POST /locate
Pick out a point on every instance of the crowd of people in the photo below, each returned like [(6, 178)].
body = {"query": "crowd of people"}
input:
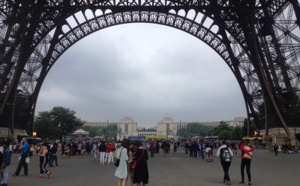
[(284, 148), (128, 153)]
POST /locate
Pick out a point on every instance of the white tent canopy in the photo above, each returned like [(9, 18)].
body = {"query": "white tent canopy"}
[(80, 132)]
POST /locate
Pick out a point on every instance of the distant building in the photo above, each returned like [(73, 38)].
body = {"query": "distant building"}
[(127, 127), (237, 122), (168, 127)]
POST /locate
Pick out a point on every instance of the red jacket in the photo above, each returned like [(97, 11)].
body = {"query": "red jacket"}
[(246, 149)]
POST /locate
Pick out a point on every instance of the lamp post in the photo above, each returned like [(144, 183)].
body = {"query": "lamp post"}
[(180, 129), (61, 133), (106, 129), (120, 133), (10, 127)]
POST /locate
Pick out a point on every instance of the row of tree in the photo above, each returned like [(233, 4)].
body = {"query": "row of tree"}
[(111, 131), (223, 131), (60, 122)]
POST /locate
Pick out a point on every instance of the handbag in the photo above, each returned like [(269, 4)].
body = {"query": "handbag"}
[(117, 162), (27, 159), (247, 156), (133, 165)]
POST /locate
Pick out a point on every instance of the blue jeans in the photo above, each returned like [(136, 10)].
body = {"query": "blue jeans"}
[(5, 176), (53, 158)]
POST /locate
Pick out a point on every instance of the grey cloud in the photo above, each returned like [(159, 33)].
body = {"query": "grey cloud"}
[(143, 71)]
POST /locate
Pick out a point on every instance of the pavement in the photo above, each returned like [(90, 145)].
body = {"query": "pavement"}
[(172, 170)]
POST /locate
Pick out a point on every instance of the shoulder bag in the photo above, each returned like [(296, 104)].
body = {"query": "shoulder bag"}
[(117, 162), (135, 163)]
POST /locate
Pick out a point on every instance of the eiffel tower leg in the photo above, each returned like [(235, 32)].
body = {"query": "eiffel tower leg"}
[(265, 85), (296, 6)]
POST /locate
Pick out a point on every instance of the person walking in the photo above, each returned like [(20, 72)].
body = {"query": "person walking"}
[(122, 170), (43, 161), (246, 155), (53, 155), (24, 147), (141, 174), (6, 162), (225, 154), (275, 149)]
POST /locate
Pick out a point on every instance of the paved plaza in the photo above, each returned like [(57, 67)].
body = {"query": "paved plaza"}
[(173, 170)]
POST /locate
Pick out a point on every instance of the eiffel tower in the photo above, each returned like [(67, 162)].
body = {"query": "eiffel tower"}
[(257, 39)]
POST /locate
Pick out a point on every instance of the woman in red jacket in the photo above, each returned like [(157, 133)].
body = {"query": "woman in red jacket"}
[(246, 150)]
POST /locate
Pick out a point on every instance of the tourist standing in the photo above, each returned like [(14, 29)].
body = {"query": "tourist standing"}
[(24, 146), (6, 162), (112, 150), (122, 170), (43, 161), (201, 147), (79, 148), (131, 153), (151, 148), (102, 149), (175, 147), (246, 150), (225, 154), (208, 152), (141, 174), (165, 146), (195, 148), (63, 149)]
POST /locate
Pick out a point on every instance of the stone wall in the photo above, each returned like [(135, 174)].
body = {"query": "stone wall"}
[(279, 136)]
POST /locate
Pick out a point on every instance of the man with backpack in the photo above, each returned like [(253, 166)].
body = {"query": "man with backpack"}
[(225, 154)]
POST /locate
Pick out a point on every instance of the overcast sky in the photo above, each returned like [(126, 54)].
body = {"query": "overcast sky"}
[(142, 71)]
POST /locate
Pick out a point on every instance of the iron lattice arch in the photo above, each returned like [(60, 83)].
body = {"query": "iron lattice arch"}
[(256, 39), (208, 36)]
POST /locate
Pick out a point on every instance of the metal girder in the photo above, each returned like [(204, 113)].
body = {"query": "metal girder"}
[(274, 24)]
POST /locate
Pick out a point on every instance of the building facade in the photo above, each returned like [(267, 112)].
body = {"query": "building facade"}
[(166, 127)]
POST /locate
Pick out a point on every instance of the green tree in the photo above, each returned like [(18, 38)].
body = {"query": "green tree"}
[(237, 133), (92, 130), (100, 132), (45, 127), (195, 129), (223, 126), (110, 131), (59, 120), (151, 130), (224, 135)]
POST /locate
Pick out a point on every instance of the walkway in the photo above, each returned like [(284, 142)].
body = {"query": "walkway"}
[(172, 170)]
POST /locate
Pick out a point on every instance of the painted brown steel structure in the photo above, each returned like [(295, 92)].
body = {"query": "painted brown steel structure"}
[(257, 39)]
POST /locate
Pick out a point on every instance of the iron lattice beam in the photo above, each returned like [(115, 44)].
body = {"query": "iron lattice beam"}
[(44, 24)]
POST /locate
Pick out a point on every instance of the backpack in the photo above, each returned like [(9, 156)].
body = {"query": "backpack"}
[(226, 156)]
